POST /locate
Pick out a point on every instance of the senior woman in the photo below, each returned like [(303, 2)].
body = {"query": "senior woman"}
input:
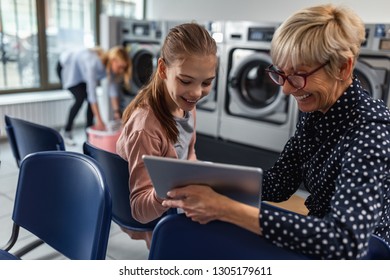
[(340, 151)]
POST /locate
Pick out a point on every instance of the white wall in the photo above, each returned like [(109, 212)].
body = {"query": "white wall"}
[(371, 11)]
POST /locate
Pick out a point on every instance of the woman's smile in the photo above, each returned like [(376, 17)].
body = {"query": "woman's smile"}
[(302, 97)]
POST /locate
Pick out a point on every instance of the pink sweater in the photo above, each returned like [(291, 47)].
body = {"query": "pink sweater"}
[(144, 135)]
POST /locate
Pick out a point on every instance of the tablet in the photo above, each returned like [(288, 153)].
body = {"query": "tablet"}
[(242, 183)]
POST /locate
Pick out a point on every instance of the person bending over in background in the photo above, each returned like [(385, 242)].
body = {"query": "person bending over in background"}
[(340, 151), (160, 120), (80, 72)]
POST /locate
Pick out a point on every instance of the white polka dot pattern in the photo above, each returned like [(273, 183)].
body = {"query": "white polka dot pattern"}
[(342, 159)]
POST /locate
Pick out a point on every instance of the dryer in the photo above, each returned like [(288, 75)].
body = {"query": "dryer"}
[(207, 120), (142, 39), (373, 64), (254, 111)]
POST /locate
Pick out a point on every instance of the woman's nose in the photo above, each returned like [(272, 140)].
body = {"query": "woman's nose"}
[(288, 88)]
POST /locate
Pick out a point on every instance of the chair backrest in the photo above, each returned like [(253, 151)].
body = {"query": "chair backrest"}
[(378, 249), (26, 137), (11, 138), (177, 237), (63, 199), (116, 171)]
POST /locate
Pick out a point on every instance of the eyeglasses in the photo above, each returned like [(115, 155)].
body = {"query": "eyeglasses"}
[(298, 81)]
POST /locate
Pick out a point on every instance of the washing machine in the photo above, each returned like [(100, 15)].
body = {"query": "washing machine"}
[(373, 64), (142, 39), (207, 120), (254, 111)]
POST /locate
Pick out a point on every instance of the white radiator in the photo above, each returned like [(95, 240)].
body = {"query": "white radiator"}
[(47, 108)]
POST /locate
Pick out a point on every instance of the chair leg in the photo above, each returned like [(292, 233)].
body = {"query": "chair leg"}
[(22, 251), (12, 240)]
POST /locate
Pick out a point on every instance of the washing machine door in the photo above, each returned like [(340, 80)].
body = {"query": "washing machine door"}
[(251, 92), (144, 58), (372, 79)]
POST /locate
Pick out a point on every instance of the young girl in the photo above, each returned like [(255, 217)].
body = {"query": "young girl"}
[(161, 118), (80, 72)]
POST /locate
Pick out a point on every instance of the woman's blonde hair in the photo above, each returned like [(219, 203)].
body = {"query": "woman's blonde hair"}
[(119, 53), (182, 42), (316, 35)]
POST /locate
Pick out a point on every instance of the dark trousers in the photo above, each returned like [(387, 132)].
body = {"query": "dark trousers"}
[(80, 95)]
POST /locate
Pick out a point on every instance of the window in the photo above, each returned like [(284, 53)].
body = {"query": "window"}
[(33, 33), (124, 8), (18, 44), (70, 24)]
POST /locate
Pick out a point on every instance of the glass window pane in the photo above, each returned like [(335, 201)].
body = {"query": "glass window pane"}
[(19, 67), (70, 24), (124, 8)]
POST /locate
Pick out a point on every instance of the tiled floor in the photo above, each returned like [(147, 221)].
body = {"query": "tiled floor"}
[(120, 247)]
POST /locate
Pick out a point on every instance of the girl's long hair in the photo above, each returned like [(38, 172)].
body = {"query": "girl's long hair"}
[(183, 41)]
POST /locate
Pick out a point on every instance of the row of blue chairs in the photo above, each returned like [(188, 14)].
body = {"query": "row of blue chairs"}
[(68, 200)]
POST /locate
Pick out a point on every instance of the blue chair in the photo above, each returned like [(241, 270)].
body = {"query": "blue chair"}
[(116, 170), (26, 137), (11, 139), (177, 237), (378, 249), (63, 199)]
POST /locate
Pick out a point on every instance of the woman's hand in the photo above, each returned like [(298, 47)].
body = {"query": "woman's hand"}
[(99, 125), (117, 115), (200, 203)]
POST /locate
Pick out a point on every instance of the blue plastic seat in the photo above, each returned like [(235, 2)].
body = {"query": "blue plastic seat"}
[(116, 171), (63, 199), (26, 137), (177, 237), (378, 249)]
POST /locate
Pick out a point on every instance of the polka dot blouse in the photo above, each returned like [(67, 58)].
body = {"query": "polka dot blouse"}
[(342, 159)]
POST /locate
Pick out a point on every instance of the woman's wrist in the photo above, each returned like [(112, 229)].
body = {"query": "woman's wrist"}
[(242, 215)]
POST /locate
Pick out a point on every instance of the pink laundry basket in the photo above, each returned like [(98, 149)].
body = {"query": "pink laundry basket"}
[(105, 139)]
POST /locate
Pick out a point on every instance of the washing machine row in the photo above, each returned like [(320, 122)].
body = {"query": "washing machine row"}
[(244, 106)]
